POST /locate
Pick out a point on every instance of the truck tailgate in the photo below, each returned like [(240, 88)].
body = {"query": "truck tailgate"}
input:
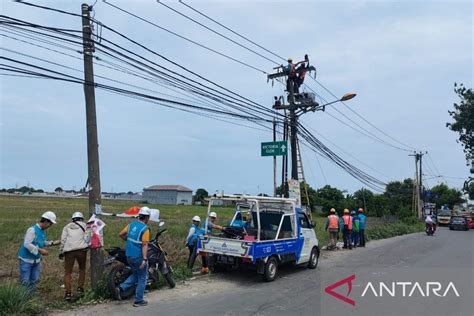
[(225, 246)]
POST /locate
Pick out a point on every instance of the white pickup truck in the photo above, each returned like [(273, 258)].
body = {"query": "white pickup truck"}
[(264, 232)]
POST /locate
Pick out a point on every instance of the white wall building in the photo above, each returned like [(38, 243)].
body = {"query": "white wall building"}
[(168, 194)]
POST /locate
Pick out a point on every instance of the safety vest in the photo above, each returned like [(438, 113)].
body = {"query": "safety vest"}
[(39, 241), (134, 239), (237, 223), (348, 221), (333, 221), (197, 232)]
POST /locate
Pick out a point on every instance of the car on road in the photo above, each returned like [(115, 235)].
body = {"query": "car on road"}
[(264, 233), (458, 222), (471, 221)]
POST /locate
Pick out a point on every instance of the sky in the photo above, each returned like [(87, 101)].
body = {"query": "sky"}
[(402, 59)]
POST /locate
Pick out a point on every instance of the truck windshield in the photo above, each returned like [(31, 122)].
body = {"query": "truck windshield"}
[(444, 213)]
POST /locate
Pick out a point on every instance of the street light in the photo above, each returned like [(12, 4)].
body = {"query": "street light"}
[(348, 96), (322, 107)]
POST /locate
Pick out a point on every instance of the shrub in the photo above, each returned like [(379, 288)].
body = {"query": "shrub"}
[(181, 272), (16, 299)]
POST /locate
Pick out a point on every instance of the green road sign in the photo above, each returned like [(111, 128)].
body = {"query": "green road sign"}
[(275, 149)]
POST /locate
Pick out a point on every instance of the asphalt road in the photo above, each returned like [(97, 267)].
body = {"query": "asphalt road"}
[(447, 256)]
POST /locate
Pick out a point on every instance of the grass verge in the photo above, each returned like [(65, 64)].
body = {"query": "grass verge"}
[(16, 299), (393, 229)]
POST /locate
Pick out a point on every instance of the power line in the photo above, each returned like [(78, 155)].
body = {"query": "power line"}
[(215, 32), (361, 117), (317, 145), (241, 36), (185, 38), (59, 38), (347, 153), (377, 138)]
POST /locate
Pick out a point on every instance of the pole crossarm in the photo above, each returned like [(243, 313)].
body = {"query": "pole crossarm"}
[(282, 73)]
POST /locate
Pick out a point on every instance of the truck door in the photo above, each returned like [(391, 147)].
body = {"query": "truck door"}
[(306, 234)]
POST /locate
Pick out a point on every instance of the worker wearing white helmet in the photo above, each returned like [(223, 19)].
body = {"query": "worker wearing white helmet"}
[(137, 236), (74, 248), (32, 249), (191, 242), (210, 223)]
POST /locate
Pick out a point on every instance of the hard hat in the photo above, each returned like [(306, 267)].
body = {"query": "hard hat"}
[(77, 215), (144, 211), (361, 210), (346, 211), (196, 219), (50, 216), (290, 59), (333, 210), (213, 214), (353, 212)]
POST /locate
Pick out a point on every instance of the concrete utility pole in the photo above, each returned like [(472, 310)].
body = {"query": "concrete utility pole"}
[(274, 162), (419, 182), (293, 140), (95, 205)]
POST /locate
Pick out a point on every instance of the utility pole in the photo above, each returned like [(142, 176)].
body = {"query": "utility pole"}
[(95, 205), (274, 162), (284, 168), (418, 185), (293, 140), (298, 104)]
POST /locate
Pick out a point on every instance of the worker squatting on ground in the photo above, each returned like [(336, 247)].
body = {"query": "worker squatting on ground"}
[(74, 248), (32, 249), (332, 224), (346, 234), (137, 236)]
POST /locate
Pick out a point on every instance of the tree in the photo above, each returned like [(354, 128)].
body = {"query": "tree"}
[(447, 196), (329, 197), (470, 190), (463, 116), (399, 195), (58, 190), (25, 189), (201, 194), (363, 198)]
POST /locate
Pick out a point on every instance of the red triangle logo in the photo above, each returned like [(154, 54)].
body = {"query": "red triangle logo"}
[(347, 280)]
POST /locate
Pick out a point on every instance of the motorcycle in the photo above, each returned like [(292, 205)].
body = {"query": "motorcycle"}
[(157, 263), (429, 229)]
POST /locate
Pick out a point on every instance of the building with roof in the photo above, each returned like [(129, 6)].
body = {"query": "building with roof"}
[(168, 194)]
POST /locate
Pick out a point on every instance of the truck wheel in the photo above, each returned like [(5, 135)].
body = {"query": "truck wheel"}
[(271, 269), (313, 258)]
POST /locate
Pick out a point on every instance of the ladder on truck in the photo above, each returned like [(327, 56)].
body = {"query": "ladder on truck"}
[(301, 176)]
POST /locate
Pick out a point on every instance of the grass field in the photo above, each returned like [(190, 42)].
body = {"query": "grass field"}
[(19, 213)]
